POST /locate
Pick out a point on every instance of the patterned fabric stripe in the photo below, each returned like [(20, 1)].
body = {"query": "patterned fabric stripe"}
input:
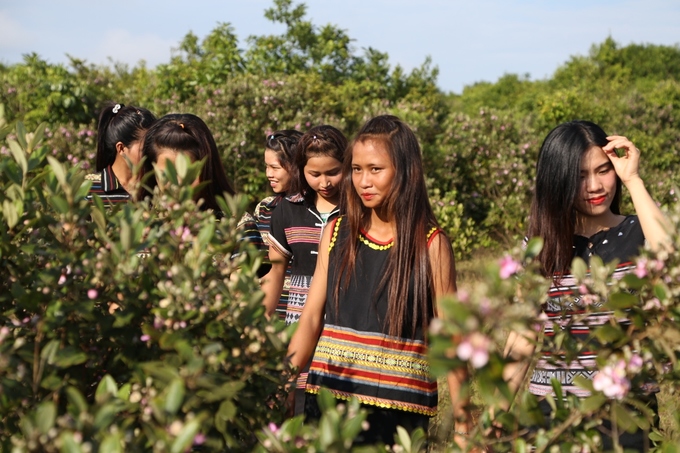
[(378, 402), (566, 311), (109, 180), (585, 361), (375, 339), (359, 375), (297, 296), (546, 389), (263, 215), (366, 362), (302, 380), (279, 247), (107, 187), (299, 234)]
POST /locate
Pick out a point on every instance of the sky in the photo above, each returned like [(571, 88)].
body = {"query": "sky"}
[(468, 40)]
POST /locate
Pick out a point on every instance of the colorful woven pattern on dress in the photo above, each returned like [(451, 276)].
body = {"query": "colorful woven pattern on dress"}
[(566, 312), (379, 370)]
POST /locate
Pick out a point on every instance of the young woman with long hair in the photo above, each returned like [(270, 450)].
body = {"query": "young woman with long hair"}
[(382, 268), (120, 131), (299, 219), (184, 133), (279, 160), (576, 212)]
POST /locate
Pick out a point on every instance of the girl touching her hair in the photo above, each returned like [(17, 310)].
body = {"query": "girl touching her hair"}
[(575, 210), (382, 268), (120, 131)]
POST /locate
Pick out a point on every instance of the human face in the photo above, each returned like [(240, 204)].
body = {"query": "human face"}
[(278, 177), (134, 152), (372, 173), (324, 174), (598, 183), (166, 155)]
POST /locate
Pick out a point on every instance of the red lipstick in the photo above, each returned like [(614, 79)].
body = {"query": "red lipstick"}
[(597, 201)]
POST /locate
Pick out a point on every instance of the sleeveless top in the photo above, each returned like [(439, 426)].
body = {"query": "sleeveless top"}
[(621, 242), (353, 356)]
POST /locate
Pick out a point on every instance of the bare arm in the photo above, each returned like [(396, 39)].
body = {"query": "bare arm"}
[(655, 226), (272, 283), (304, 340), (520, 348), (443, 267)]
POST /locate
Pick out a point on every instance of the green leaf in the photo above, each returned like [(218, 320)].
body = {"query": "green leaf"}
[(624, 419), (608, 333), (105, 415), (185, 437), (175, 396), (534, 247), (107, 387), (9, 212), (111, 444), (619, 301), (21, 134), (593, 403), (227, 411), (49, 351), (45, 415), (403, 438), (660, 291), (579, 268), (19, 155), (38, 135), (69, 356), (68, 443), (57, 169), (76, 399)]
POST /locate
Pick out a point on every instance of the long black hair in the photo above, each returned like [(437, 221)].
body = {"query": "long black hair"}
[(408, 268), (119, 123), (186, 133), (284, 144), (558, 183), (321, 140)]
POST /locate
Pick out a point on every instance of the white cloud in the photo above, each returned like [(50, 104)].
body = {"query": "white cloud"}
[(12, 35), (124, 46)]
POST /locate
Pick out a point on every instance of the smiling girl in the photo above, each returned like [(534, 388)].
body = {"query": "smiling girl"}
[(279, 160), (382, 269), (575, 211)]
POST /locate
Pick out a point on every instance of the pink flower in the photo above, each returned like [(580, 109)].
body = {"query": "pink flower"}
[(611, 380), (508, 267), (641, 268), (145, 338), (62, 279), (474, 348), (199, 439), (635, 364), (652, 304), (92, 294), (273, 428)]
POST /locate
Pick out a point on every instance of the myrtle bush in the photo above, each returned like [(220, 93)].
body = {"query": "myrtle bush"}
[(130, 328), (632, 360)]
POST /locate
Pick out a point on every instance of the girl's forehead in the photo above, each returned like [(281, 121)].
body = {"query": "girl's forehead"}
[(593, 158)]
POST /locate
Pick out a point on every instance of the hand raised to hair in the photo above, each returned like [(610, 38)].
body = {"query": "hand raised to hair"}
[(626, 166)]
